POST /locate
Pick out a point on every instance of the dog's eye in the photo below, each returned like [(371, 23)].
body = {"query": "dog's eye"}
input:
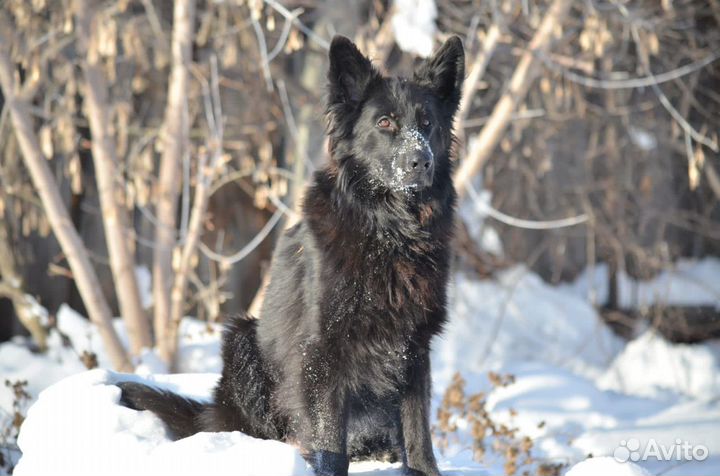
[(425, 122), (384, 123)]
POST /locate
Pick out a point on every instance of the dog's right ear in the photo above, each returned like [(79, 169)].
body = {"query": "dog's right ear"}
[(350, 72), (444, 72)]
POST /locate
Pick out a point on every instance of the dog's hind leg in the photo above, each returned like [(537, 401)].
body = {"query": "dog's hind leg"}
[(242, 397)]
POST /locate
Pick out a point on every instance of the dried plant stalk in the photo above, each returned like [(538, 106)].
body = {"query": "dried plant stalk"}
[(522, 78), (11, 286)]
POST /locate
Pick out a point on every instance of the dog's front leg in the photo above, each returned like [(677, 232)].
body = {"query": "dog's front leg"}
[(419, 459), (327, 412)]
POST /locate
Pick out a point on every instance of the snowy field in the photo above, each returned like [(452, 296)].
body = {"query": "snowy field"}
[(577, 390)]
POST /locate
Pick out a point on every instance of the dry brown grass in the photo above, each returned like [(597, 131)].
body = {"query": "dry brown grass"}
[(10, 428), (487, 434)]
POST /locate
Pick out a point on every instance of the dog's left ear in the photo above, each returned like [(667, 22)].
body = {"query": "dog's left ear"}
[(444, 72), (350, 72)]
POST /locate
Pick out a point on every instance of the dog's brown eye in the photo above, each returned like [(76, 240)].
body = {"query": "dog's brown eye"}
[(425, 122), (384, 123)]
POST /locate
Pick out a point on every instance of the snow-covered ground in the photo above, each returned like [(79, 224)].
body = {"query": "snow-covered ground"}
[(578, 390), (687, 283)]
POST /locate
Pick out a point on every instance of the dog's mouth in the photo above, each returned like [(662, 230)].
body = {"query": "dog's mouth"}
[(412, 179), (412, 186), (414, 174)]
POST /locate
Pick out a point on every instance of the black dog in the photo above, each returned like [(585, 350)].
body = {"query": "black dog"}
[(338, 362)]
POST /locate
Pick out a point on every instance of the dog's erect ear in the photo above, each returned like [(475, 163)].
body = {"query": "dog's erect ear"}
[(350, 71), (444, 72)]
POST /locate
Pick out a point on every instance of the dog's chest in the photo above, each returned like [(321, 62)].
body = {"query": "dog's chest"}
[(379, 312), (382, 285), (379, 361)]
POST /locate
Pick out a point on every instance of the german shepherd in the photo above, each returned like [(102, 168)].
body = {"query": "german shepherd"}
[(339, 361)]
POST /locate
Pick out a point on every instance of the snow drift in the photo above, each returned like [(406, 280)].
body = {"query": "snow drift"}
[(77, 428)]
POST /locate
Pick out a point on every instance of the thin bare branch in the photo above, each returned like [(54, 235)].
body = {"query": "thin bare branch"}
[(477, 71), (523, 223), (262, 46), (250, 247), (206, 173), (284, 34), (323, 43), (629, 83), (645, 61)]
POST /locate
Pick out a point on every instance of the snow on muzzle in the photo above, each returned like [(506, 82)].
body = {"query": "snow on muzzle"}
[(413, 163)]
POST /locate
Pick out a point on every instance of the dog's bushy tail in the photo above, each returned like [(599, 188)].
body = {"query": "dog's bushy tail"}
[(180, 414), (241, 400)]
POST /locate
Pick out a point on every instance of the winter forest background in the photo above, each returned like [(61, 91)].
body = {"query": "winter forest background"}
[(151, 152)]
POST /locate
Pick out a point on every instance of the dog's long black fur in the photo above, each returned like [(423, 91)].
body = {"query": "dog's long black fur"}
[(338, 362)]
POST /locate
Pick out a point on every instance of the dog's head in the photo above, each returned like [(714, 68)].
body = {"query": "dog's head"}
[(393, 134)]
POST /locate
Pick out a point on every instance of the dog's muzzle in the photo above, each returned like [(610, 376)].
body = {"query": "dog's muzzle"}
[(414, 166)]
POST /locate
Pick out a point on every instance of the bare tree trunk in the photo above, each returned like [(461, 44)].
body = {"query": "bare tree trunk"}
[(522, 78), (115, 220), (62, 226), (174, 142)]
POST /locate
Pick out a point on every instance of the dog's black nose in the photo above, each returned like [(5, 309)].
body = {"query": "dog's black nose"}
[(426, 163), (421, 160), (419, 168)]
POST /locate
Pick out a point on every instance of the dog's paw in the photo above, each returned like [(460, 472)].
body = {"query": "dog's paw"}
[(328, 463), (407, 471)]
